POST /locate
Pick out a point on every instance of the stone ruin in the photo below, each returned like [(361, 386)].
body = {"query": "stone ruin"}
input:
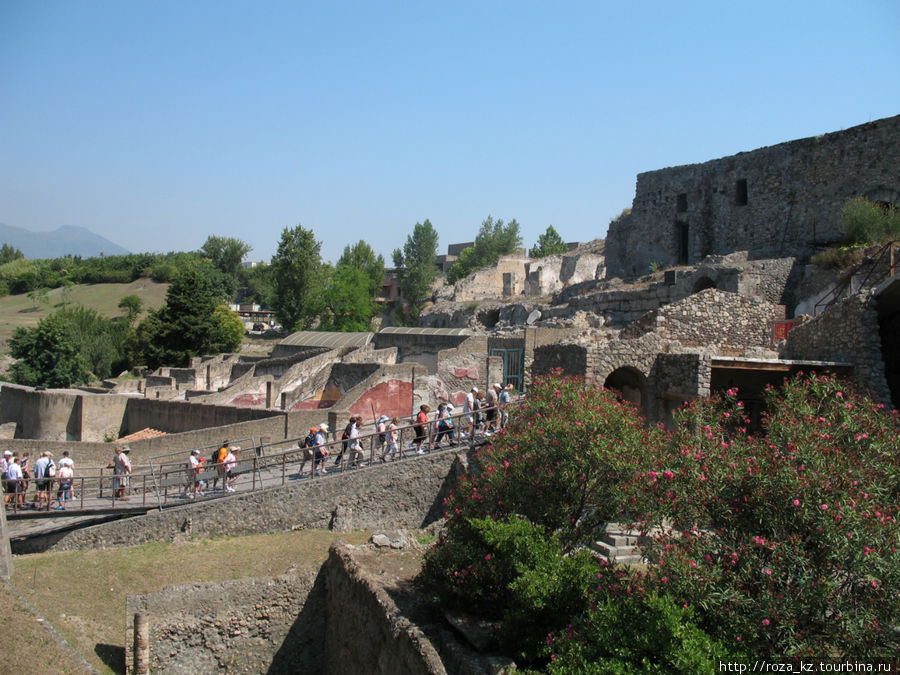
[(705, 285)]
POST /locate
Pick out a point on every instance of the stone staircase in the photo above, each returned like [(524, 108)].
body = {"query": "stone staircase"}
[(619, 545)]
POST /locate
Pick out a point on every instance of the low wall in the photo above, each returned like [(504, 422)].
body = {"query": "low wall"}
[(337, 619), (407, 494), (365, 631), (210, 627)]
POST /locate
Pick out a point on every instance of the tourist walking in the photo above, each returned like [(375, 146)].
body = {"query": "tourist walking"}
[(230, 465), (444, 425), (121, 467), (321, 452), (421, 428), (469, 411), (43, 477), (306, 448), (381, 427), (505, 398), (194, 472), (16, 495), (491, 398), (354, 444), (393, 446), (65, 476)]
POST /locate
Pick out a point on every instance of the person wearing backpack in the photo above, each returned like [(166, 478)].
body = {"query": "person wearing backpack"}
[(306, 447), (217, 462)]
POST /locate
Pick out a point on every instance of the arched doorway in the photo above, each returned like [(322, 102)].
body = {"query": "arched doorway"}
[(702, 284), (630, 384)]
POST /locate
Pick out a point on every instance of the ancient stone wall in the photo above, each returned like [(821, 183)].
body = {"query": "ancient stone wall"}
[(772, 201), (365, 631), (712, 318), (242, 626), (847, 332), (406, 494)]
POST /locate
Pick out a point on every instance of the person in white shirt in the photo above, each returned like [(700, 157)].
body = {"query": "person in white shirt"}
[(14, 481)]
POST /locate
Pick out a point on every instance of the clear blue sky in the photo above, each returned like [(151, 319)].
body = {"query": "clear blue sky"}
[(156, 124)]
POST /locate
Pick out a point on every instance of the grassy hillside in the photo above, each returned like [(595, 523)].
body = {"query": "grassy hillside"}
[(20, 310)]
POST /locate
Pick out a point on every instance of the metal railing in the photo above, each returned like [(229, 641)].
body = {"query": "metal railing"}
[(167, 481), (874, 261)]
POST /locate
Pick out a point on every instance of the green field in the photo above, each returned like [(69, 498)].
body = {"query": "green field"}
[(20, 310)]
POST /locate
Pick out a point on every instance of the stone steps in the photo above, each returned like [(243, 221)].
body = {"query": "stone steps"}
[(618, 545)]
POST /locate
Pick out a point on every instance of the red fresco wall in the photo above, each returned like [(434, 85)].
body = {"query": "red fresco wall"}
[(392, 398)]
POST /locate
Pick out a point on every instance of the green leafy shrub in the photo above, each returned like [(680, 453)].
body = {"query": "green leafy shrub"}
[(786, 542), (560, 460), (837, 258), (510, 570), (634, 632), (866, 222)]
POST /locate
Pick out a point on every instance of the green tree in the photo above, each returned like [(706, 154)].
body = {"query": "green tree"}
[(133, 306), (361, 256), (49, 355), (549, 243), (348, 301), (226, 253), (187, 325), (297, 270), (98, 339), (228, 331), (8, 254), (494, 239), (415, 265)]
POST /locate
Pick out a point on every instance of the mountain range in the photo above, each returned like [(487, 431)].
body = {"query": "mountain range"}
[(65, 240)]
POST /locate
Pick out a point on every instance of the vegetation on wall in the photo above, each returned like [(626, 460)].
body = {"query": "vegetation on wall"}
[(494, 239), (549, 243), (867, 222)]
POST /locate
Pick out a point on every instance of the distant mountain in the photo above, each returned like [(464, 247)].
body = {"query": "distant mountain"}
[(65, 240)]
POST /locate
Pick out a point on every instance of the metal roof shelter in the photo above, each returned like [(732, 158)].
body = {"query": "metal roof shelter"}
[(314, 338), (442, 332)]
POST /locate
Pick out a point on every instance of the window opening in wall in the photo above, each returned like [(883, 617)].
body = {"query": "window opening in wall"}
[(740, 192), (682, 236), (681, 203)]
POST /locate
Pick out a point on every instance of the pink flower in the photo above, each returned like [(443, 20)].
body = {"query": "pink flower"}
[(796, 502), (767, 571), (824, 507), (668, 474), (487, 557), (840, 394), (765, 622)]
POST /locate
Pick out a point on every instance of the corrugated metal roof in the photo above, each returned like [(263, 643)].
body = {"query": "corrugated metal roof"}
[(405, 330), (314, 338)]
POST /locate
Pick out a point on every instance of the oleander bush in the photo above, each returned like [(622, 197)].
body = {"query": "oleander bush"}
[(781, 542), (786, 541)]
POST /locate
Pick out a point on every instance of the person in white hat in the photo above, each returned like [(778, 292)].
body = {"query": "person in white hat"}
[(321, 452), (469, 411)]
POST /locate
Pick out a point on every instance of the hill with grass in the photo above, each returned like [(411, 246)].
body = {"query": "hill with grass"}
[(22, 310)]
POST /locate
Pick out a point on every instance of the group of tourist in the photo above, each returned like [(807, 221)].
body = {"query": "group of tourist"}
[(17, 475), (483, 415), (221, 466)]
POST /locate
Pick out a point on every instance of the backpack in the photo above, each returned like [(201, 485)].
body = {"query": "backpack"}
[(51, 469), (309, 441)]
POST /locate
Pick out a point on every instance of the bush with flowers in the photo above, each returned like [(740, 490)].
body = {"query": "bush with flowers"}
[(779, 543), (785, 542)]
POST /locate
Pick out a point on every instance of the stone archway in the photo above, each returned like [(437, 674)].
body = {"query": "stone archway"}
[(702, 284), (630, 384)]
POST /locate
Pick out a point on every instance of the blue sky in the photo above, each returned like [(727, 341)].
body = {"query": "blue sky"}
[(157, 124)]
